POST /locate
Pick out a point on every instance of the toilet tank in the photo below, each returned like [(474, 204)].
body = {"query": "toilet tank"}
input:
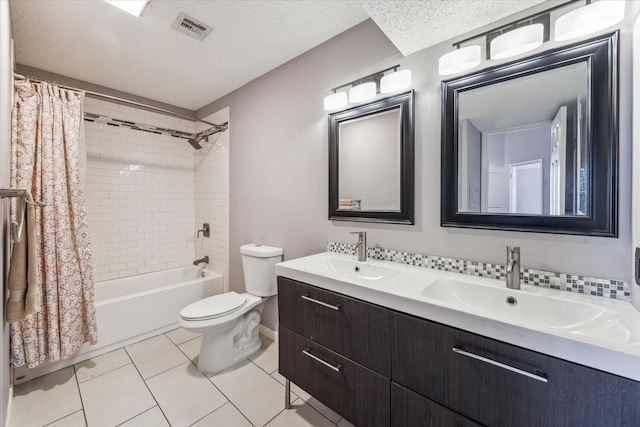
[(258, 264)]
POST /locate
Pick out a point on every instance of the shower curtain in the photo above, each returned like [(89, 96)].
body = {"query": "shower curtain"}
[(44, 159)]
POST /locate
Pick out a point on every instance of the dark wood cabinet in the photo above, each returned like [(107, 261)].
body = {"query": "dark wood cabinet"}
[(498, 384), (353, 328), (379, 367), (355, 392), (411, 409)]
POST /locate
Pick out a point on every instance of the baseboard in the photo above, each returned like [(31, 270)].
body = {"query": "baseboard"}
[(7, 417), (269, 333)]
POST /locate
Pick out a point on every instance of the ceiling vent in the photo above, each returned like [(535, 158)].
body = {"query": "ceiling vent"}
[(191, 27)]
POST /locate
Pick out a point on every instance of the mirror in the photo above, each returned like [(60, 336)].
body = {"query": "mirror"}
[(371, 159), (532, 145)]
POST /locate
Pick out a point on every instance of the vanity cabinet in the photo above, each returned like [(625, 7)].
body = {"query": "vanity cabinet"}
[(350, 327), (337, 349), (378, 367), (498, 384), (411, 409)]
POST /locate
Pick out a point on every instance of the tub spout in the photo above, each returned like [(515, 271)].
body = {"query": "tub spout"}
[(203, 259)]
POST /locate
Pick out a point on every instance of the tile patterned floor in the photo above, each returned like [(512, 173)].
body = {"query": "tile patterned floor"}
[(155, 383)]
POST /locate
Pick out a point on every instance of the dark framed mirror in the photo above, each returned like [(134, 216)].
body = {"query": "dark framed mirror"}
[(532, 145), (371, 162)]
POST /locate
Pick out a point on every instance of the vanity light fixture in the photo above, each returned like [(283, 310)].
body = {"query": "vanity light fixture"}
[(591, 18), (134, 7), (335, 101), (461, 59), (524, 34), (517, 41), (396, 81), (366, 88), (363, 92)]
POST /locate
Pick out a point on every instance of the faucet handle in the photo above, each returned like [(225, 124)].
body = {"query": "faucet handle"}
[(361, 233)]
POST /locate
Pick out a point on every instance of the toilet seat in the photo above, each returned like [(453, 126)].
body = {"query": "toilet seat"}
[(213, 307)]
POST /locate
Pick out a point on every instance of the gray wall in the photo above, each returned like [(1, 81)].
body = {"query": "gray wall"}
[(6, 88), (278, 166), (369, 153)]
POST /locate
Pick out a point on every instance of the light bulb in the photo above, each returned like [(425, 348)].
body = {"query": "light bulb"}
[(362, 92), (462, 59), (589, 19), (396, 81), (517, 41)]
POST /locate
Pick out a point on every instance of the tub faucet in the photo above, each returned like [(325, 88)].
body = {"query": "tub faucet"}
[(513, 267), (203, 259), (361, 246)]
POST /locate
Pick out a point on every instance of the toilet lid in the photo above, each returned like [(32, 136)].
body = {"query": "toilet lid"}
[(215, 306)]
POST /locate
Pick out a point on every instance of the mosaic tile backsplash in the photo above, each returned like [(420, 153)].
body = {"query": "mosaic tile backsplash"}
[(615, 289)]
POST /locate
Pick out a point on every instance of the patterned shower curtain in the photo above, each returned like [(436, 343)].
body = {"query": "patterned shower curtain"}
[(44, 159)]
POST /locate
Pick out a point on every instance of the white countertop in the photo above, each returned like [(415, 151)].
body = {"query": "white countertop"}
[(617, 353)]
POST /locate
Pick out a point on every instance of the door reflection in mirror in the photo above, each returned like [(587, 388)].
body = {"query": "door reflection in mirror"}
[(522, 144)]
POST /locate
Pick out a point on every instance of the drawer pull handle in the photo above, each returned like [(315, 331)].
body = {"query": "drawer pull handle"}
[(500, 365), (307, 352), (324, 304)]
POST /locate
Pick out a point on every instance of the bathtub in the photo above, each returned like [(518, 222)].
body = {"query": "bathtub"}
[(134, 308)]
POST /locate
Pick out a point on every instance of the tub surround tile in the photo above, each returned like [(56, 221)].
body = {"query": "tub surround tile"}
[(101, 364), (180, 335), (301, 414), (115, 397), (55, 396), (140, 192), (240, 382), (607, 288), (74, 420), (151, 418), (185, 394), (155, 355), (226, 416)]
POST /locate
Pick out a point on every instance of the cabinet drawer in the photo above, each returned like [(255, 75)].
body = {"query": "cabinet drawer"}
[(353, 328), (498, 384), (411, 409), (355, 392)]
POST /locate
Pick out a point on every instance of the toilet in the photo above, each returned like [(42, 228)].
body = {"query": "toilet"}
[(229, 322)]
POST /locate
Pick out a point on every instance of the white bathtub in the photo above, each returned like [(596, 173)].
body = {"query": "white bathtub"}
[(133, 308)]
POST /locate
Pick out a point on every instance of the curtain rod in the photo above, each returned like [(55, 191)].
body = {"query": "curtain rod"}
[(122, 100)]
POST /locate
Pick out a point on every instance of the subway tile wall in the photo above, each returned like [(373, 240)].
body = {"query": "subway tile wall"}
[(140, 193), (212, 196)]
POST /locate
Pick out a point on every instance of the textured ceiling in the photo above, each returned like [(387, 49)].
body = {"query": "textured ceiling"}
[(416, 25), (95, 42)]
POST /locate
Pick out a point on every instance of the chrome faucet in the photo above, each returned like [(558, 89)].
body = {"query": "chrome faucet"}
[(361, 246), (513, 267), (201, 260)]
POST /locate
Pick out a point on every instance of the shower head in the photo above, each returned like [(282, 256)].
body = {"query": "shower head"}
[(195, 143)]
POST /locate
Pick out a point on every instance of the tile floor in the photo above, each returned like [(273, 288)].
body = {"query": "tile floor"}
[(155, 383)]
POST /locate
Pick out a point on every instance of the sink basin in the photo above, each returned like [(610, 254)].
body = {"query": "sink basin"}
[(537, 311), (346, 268)]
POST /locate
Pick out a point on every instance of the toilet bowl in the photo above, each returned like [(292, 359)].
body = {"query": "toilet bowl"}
[(229, 322)]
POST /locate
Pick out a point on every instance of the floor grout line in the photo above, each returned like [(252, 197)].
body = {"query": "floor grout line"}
[(147, 386), (296, 398), (104, 373), (84, 414)]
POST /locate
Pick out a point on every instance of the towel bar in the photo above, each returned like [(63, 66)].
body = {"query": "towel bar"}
[(16, 227)]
